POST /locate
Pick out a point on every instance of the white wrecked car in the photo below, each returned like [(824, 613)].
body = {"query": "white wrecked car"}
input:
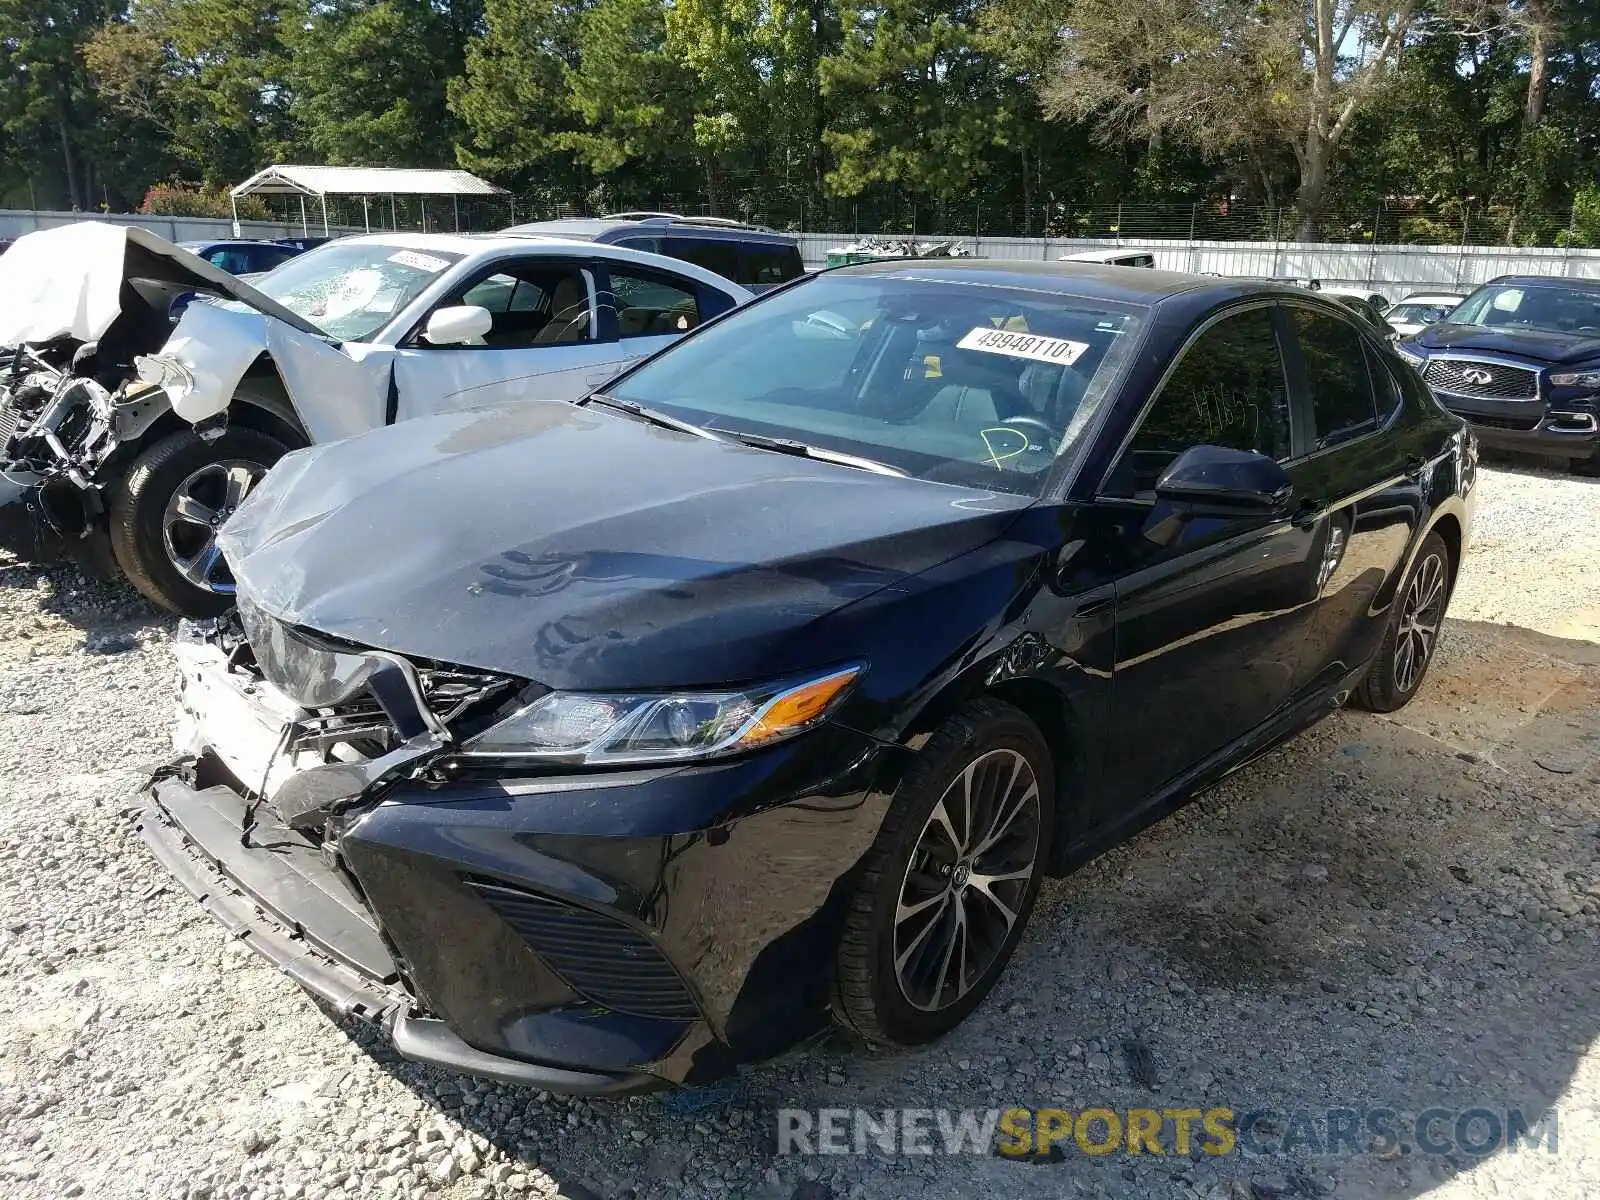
[(126, 442)]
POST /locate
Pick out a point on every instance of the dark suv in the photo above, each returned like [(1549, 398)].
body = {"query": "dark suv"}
[(752, 255), (1520, 360)]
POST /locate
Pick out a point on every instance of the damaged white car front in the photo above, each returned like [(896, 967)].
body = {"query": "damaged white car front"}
[(82, 309)]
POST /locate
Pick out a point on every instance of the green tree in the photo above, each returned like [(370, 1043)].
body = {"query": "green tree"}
[(1234, 78), (210, 74), (512, 96), (48, 110), (368, 80), (917, 102), (634, 98)]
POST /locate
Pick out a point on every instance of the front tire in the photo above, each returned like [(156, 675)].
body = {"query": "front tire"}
[(168, 506), (1415, 620), (951, 879)]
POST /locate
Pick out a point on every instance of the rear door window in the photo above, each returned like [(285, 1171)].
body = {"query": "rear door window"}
[(765, 266), (1335, 361), (714, 254), (649, 304), (1385, 389), (637, 241)]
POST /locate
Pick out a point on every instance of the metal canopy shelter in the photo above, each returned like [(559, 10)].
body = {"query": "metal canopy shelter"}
[(321, 182)]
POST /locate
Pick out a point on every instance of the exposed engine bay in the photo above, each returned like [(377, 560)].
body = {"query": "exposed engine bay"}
[(309, 726)]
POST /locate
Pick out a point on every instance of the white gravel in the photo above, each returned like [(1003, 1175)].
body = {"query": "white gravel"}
[(1397, 912)]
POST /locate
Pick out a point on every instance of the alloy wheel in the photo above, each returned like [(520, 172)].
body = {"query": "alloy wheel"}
[(964, 885), (1420, 618), (197, 511)]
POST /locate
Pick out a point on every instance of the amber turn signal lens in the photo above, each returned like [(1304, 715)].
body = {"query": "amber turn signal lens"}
[(802, 706)]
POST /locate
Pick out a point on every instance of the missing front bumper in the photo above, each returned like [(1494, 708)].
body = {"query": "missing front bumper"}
[(288, 903)]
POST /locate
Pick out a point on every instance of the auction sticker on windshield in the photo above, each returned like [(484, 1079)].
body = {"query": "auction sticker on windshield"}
[(1023, 345), (422, 262)]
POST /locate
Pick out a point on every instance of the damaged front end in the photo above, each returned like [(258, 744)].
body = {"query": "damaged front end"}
[(91, 365), (59, 426), (289, 742)]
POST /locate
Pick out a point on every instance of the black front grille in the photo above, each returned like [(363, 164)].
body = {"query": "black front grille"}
[(1491, 380), (600, 958)]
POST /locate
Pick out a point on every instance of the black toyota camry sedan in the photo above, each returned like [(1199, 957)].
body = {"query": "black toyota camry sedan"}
[(604, 745)]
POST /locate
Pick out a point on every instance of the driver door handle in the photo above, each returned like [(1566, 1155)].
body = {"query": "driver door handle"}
[(1306, 515)]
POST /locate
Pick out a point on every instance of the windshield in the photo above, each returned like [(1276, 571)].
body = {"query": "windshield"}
[(1420, 312), (955, 382), (352, 290), (1548, 307)]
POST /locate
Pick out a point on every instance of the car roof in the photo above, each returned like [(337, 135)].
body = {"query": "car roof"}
[(594, 228), (1131, 285), (1424, 297), (1583, 285), (479, 245)]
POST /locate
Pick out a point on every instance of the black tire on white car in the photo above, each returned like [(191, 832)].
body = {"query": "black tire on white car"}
[(166, 510)]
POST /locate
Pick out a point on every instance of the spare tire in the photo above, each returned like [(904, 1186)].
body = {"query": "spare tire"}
[(167, 508)]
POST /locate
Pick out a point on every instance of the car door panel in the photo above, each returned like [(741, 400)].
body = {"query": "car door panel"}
[(1208, 636), (434, 379), (1209, 607), (1360, 486)]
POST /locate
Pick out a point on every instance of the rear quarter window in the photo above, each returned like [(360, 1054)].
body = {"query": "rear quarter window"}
[(768, 265), (714, 254)]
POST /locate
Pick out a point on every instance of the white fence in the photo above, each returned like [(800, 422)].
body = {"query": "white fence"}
[(1391, 270), (16, 222)]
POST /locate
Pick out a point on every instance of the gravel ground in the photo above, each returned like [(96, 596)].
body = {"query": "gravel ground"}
[(1397, 912)]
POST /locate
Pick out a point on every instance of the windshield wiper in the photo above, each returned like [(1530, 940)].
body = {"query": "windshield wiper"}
[(803, 450), (645, 414)]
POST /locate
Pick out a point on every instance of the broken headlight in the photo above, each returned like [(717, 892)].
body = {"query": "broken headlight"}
[(604, 729)]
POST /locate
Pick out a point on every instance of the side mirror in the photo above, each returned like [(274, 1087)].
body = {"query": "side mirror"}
[(458, 325), (1214, 480)]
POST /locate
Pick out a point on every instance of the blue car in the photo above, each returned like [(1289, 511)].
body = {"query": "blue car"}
[(1520, 360), (243, 258)]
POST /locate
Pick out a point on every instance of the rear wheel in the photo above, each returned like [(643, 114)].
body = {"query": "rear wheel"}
[(1413, 632), (166, 511), (951, 879)]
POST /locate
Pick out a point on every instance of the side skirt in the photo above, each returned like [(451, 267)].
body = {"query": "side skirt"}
[(1265, 738)]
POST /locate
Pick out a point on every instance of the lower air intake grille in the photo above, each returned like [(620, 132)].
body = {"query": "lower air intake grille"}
[(601, 959), (1503, 422)]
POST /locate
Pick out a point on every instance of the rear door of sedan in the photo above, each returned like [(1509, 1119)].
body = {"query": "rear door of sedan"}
[(1359, 486)]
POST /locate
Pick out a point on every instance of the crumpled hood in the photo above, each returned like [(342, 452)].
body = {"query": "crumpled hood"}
[(68, 281), (1537, 344), (584, 549)]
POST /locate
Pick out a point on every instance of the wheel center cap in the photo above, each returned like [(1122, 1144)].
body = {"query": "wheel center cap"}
[(960, 876)]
